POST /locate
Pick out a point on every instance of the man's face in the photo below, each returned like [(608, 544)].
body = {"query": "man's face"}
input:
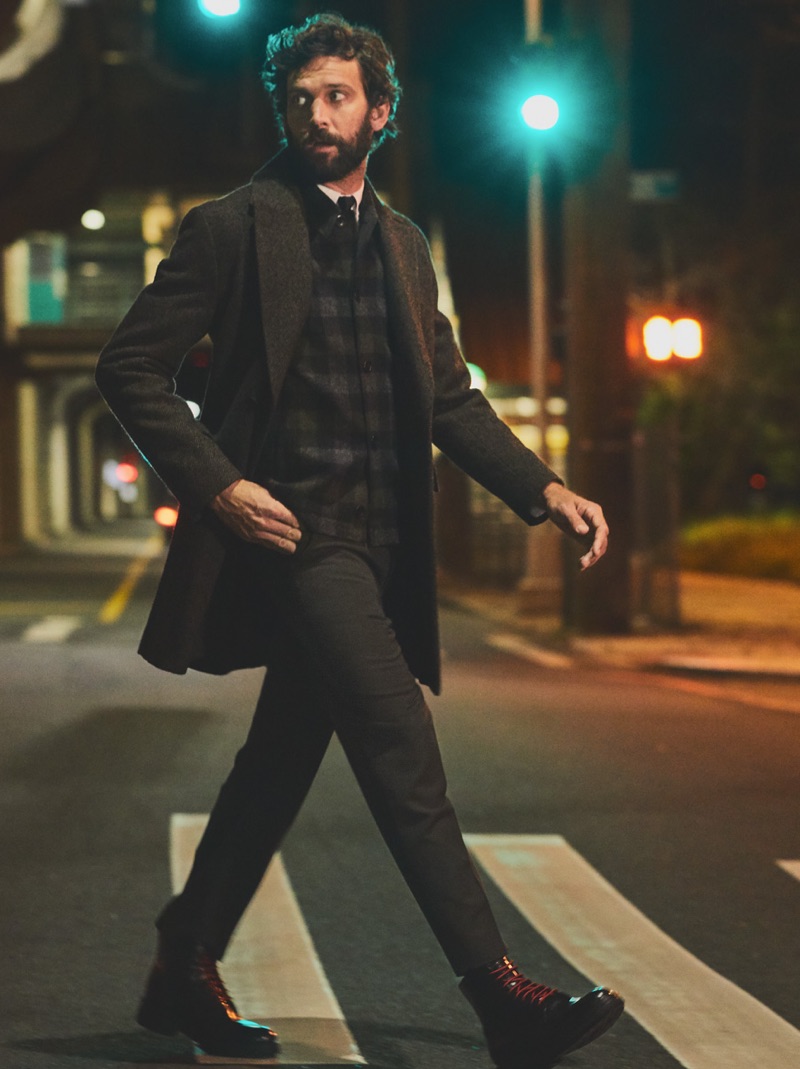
[(328, 118)]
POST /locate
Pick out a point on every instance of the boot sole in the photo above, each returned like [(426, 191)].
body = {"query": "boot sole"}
[(546, 1059), (163, 1027), (156, 1019), (611, 1016)]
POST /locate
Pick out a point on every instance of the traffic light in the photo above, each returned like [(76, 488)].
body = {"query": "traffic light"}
[(204, 37), (563, 94), (219, 9), (533, 94), (660, 337), (540, 112), (663, 338)]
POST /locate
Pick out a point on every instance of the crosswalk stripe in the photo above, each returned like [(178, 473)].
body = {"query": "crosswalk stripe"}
[(51, 629), (272, 967), (792, 867), (702, 1019)]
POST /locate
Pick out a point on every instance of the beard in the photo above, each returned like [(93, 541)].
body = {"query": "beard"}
[(349, 156)]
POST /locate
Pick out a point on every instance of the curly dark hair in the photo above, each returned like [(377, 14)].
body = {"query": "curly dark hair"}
[(329, 34)]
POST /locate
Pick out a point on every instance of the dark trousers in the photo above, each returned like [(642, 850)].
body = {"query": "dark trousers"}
[(336, 666)]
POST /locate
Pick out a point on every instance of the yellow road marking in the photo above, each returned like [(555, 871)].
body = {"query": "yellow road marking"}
[(115, 606)]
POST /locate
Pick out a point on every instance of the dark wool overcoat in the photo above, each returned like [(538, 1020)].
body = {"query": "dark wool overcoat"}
[(240, 272)]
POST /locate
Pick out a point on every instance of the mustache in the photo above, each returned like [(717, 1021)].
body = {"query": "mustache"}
[(319, 137)]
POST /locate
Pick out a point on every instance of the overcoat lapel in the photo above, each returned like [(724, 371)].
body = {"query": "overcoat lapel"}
[(284, 267), (405, 319), (284, 270)]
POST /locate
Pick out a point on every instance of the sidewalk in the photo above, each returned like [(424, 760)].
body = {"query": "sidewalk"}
[(731, 626)]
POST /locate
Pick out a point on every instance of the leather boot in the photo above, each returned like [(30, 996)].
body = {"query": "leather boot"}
[(185, 993), (530, 1026)]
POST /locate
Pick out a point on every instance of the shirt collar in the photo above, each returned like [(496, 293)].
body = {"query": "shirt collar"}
[(334, 194)]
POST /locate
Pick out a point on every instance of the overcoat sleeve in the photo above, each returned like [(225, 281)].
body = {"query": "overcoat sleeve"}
[(137, 368), (468, 431)]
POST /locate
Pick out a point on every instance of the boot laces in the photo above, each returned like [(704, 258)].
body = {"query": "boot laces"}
[(209, 974), (518, 985)]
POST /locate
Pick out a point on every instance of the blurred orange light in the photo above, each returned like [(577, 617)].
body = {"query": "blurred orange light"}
[(657, 336), (687, 339), (166, 516), (127, 472), (664, 338)]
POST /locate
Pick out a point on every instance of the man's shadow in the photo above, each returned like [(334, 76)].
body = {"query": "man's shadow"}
[(381, 1045), (131, 1048)]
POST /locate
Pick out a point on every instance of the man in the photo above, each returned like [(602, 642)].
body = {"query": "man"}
[(305, 534)]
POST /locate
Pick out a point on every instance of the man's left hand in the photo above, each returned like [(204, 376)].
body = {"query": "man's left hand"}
[(581, 519)]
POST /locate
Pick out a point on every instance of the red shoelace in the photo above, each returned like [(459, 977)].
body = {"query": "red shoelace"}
[(519, 985), (207, 968)]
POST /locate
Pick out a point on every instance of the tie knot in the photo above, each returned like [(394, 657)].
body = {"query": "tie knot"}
[(347, 206)]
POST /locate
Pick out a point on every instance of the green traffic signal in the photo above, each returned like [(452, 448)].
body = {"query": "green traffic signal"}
[(219, 9), (207, 39), (540, 112)]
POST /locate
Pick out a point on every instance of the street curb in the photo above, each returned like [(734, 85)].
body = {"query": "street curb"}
[(556, 644), (701, 666)]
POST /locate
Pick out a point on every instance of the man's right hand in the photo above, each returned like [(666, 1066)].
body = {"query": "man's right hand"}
[(253, 514)]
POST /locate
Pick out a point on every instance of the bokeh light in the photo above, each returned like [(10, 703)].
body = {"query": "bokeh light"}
[(540, 112)]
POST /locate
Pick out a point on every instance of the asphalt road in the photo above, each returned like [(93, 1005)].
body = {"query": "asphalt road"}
[(682, 802)]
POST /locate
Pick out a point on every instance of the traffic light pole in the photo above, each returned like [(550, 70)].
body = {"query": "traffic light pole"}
[(540, 589), (599, 382)]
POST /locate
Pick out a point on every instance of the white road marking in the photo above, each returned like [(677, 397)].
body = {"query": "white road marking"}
[(702, 1019), (272, 968), (520, 647), (51, 629), (792, 867)]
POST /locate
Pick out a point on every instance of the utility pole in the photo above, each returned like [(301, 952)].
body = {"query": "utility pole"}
[(599, 381), (540, 589)]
